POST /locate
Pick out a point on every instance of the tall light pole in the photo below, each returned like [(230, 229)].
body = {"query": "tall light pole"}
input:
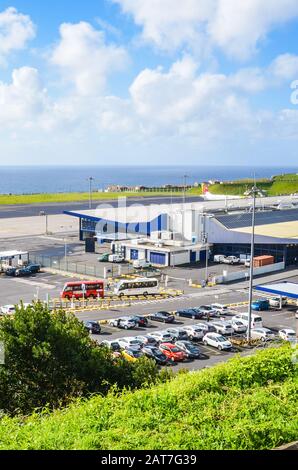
[(254, 193), (90, 179)]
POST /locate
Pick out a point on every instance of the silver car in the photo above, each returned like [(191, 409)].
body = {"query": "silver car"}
[(264, 334), (223, 327), (194, 332)]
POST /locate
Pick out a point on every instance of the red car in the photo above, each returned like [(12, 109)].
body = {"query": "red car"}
[(172, 352)]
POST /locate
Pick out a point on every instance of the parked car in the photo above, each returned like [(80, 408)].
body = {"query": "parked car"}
[(104, 258), (217, 341), (260, 305), (93, 327), (141, 264), (127, 323), (34, 268), (141, 321), (223, 327), (132, 355), (208, 311), (194, 332), (238, 326), (264, 334), (218, 258), (256, 320), (206, 327), (147, 340), (116, 259), (172, 352), (162, 336), (220, 309), (195, 314), (231, 260), (112, 345), (164, 317), (8, 310), (11, 271), (23, 272), (130, 343), (191, 350), (177, 334), (287, 334), (275, 301), (154, 353)]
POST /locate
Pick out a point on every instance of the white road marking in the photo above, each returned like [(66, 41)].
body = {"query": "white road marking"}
[(35, 283)]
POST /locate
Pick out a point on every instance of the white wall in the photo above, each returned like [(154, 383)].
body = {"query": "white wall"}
[(237, 275)]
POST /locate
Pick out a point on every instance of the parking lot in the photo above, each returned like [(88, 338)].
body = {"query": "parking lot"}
[(43, 284)]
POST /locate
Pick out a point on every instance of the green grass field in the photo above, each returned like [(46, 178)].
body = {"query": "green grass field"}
[(278, 186), (74, 197), (247, 403)]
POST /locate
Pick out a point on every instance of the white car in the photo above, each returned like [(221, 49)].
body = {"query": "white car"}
[(264, 334), (218, 258), (238, 326), (116, 259), (130, 343), (220, 309), (287, 334), (162, 337), (256, 320), (8, 310), (141, 264), (127, 323), (275, 302), (223, 327), (146, 340), (194, 332), (217, 341), (231, 260)]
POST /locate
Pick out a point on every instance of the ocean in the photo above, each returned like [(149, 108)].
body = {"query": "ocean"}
[(57, 179)]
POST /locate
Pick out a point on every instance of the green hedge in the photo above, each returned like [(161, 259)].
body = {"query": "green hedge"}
[(247, 403)]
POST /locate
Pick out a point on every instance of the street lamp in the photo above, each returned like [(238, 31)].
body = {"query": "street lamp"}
[(204, 240), (254, 192), (90, 179)]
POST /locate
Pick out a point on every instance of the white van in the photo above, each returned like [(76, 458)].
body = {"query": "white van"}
[(140, 286), (256, 320)]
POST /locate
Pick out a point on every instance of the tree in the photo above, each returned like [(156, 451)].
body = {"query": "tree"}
[(49, 360)]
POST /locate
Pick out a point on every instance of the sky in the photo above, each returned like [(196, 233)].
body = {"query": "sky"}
[(171, 82)]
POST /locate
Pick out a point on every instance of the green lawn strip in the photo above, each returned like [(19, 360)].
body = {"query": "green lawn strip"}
[(247, 403), (76, 197)]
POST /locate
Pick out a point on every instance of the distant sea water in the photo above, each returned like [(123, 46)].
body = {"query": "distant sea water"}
[(51, 179)]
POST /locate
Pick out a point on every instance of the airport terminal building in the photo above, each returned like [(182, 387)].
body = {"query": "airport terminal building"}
[(178, 234)]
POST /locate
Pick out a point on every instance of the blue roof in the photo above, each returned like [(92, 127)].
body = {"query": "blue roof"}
[(286, 289)]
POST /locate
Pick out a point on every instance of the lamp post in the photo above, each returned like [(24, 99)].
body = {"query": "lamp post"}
[(90, 179), (255, 191)]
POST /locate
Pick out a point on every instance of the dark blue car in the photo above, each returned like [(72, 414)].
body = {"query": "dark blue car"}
[(193, 313)]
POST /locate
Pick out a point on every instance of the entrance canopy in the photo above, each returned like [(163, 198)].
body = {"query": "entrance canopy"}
[(4, 255), (285, 289)]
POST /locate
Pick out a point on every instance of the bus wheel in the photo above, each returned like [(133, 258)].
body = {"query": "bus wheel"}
[(145, 293)]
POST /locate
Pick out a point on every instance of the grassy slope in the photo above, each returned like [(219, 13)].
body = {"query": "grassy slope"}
[(248, 403), (279, 185), (73, 197)]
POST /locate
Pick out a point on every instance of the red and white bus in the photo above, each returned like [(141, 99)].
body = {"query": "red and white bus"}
[(83, 290)]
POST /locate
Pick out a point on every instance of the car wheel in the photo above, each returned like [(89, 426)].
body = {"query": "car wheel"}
[(178, 314), (172, 359), (145, 293), (219, 348), (191, 338), (263, 339), (193, 317), (205, 343), (126, 327)]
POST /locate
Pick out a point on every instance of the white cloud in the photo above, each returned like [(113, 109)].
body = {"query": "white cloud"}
[(22, 100), (85, 59), (236, 26), (285, 67), (16, 30)]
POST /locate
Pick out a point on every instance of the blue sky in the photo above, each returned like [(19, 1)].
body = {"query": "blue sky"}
[(152, 82)]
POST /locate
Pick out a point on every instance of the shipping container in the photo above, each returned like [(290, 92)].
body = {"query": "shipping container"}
[(263, 261)]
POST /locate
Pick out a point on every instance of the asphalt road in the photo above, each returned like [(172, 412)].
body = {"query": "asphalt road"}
[(31, 210)]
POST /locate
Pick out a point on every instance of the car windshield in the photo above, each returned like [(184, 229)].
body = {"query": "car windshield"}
[(175, 350), (221, 339)]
